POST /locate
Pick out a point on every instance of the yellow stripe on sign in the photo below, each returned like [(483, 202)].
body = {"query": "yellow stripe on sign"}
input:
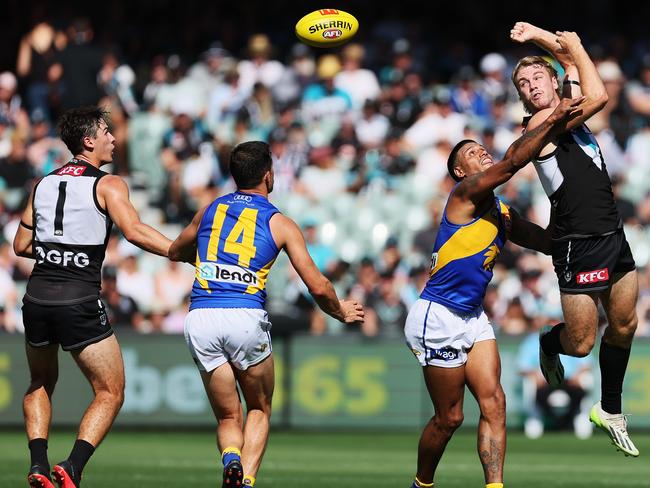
[(202, 282), (217, 224), (262, 276), (468, 241)]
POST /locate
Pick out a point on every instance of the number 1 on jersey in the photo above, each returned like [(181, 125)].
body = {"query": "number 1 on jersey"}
[(58, 215)]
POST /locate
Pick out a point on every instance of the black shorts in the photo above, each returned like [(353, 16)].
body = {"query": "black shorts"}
[(589, 264), (72, 326)]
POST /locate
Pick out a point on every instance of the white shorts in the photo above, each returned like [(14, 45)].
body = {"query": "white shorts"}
[(441, 337), (240, 336)]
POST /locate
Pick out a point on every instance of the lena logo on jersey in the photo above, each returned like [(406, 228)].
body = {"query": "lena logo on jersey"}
[(65, 258), (588, 277), (226, 273), (71, 170)]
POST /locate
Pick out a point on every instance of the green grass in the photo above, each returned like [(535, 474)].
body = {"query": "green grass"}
[(320, 460)]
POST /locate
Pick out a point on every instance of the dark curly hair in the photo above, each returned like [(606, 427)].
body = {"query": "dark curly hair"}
[(77, 123)]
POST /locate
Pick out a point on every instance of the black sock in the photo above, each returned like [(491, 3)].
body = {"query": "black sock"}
[(551, 342), (613, 363), (80, 454), (38, 451)]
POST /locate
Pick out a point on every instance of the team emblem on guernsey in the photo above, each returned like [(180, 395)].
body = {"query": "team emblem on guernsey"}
[(490, 257), (264, 347)]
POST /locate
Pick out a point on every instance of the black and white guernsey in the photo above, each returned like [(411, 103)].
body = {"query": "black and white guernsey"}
[(575, 178), (71, 231)]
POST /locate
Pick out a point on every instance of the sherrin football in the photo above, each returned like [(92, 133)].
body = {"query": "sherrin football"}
[(327, 27)]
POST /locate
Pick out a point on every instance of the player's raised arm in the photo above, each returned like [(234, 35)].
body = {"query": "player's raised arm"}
[(114, 193), (287, 236), (520, 152), (591, 86), (523, 32)]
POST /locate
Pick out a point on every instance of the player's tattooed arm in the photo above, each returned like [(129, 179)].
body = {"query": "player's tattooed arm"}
[(520, 152)]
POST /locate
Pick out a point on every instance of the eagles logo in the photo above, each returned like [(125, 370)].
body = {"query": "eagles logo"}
[(490, 257)]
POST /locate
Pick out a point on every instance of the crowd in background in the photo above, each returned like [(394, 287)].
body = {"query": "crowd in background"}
[(360, 138)]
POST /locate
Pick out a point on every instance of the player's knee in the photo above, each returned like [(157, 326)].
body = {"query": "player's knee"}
[(113, 394), (626, 328), (582, 349), (450, 421)]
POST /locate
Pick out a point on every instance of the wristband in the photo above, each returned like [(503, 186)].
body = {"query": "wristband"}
[(28, 227), (571, 82)]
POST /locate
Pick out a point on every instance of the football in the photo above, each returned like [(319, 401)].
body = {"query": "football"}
[(327, 27)]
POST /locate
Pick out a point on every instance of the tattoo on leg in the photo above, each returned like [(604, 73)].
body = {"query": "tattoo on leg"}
[(490, 458)]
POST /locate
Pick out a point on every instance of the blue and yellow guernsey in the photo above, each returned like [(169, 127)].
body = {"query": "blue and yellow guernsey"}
[(235, 251), (464, 256)]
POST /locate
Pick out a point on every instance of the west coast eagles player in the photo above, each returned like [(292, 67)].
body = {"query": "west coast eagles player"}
[(236, 240), (446, 328)]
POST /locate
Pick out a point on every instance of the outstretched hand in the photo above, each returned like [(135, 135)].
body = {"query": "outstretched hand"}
[(568, 41), (524, 32), (566, 108), (352, 311)]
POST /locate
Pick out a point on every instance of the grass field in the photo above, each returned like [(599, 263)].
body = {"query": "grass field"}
[(320, 460)]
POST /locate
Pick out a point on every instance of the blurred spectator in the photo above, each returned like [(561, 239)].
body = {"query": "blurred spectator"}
[(38, 67), (495, 83), (466, 98), (438, 122), (173, 282), (121, 309), (361, 84), (133, 282), (638, 94), (402, 63), (388, 306), (80, 64), (561, 407), (300, 73), (371, 128), (45, 152), (324, 104), (15, 170), (365, 290), (116, 79), (211, 68), (12, 112), (188, 141), (158, 79), (225, 100), (322, 178), (260, 68)]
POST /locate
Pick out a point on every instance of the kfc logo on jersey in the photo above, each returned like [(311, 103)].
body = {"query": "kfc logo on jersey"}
[(589, 277), (72, 170)]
